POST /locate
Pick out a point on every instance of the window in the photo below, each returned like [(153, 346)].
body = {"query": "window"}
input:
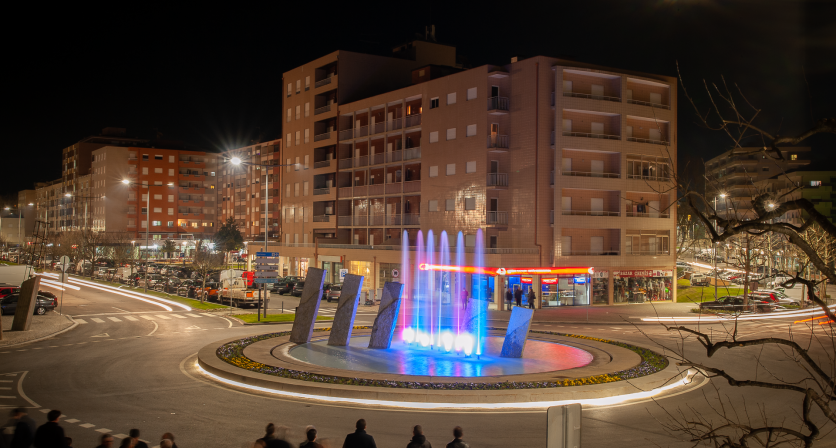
[(451, 98), (793, 156), (296, 166), (158, 157), (158, 197), (145, 157), (434, 171), (158, 171), (305, 188), (434, 103), (158, 183), (471, 167), (171, 171), (470, 241), (433, 205), (171, 224), (289, 89), (450, 205), (158, 210), (287, 140), (307, 158), (470, 203), (144, 170), (144, 224), (298, 85), (170, 211), (815, 183), (298, 137), (451, 134), (471, 93), (289, 114), (471, 130), (156, 223), (170, 159), (195, 224), (434, 137), (307, 84), (171, 198), (307, 136), (288, 165), (287, 191), (296, 189), (298, 112), (307, 109), (451, 169)]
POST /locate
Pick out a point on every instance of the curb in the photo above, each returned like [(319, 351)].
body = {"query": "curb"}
[(75, 324)]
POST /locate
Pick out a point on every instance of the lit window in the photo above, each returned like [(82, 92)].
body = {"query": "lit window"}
[(815, 183), (794, 157)]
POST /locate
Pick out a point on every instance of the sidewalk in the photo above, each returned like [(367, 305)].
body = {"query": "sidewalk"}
[(608, 314), (41, 327)]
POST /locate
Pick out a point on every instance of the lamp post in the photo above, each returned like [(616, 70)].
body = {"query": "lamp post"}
[(723, 196), (184, 253), (147, 225)]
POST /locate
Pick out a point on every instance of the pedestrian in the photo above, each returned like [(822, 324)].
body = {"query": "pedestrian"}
[(133, 435), (359, 438), (50, 435), (169, 436), (518, 295), (165, 443), (310, 439), (418, 439), (107, 441), (24, 429), (463, 297), (531, 298), (271, 439), (68, 442), (457, 442), (509, 296), (269, 432)]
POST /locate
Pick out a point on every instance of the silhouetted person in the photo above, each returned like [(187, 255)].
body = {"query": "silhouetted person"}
[(457, 442), (310, 442), (25, 429), (531, 298), (509, 296), (518, 295), (107, 441), (418, 439), (133, 435), (50, 435), (359, 438)]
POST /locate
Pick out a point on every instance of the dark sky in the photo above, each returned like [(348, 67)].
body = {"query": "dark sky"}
[(211, 75)]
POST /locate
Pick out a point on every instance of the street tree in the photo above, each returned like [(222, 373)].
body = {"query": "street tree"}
[(228, 237), (205, 262), (169, 247)]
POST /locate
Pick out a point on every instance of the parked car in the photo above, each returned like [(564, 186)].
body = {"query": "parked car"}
[(187, 288), (775, 296), (284, 286), (334, 292), (297, 289), (699, 280), (6, 290), (8, 305), (168, 285), (152, 280), (325, 288), (736, 303)]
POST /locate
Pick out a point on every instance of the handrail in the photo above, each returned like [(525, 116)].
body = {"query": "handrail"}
[(592, 97), (648, 103), (589, 213), (497, 180), (321, 191), (412, 120), (647, 140), (589, 252), (323, 82), (322, 218), (639, 176), (493, 218), (591, 135), (498, 103), (498, 141), (591, 174), (649, 252), (323, 163), (633, 214)]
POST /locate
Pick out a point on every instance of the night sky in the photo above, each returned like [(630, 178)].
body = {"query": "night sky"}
[(211, 75)]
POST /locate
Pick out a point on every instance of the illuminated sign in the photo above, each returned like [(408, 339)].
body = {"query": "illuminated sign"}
[(547, 271), (526, 280), (461, 269), (507, 271), (550, 281)]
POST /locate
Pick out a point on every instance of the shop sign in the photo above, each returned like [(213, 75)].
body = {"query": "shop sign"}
[(643, 273), (395, 273), (601, 274), (550, 281), (342, 274), (526, 280)]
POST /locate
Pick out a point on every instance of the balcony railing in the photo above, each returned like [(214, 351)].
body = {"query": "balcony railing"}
[(498, 141), (394, 156), (361, 161), (412, 153), (648, 103), (589, 213), (589, 252), (323, 136), (377, 128), (362, 131), (497, 179), (412, 120), (498, 103), (321, 191), (632, 214), (591, 135), (376, 190), (322, 218), (323, 163), (324, 82), (346, 134), (643, 177), (378, 158), (648, 252), (346, 163), (377, 220), (394, 188), (393, 220), (345, 220), (360, 220), (411, 219), (361, 190), (412, 186), (593, 97), (322, 110), (646, 140), (395, 124), (591, 174), (496, 218)]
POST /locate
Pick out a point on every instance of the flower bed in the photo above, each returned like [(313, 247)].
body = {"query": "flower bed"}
[(233, 353)]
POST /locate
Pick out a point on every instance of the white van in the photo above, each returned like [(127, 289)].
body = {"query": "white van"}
[(699, 280)]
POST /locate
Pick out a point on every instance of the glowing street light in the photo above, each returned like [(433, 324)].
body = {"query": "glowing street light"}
[(235, 160)]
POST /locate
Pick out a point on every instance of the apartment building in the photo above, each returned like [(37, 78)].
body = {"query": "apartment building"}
[(242, 189), (59, 209), (496, 148), (811, 182), (27, 203), (734, 178)]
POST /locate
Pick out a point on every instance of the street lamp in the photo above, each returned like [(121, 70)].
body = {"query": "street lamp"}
[(722, 196), (147, 225), (184, 253)]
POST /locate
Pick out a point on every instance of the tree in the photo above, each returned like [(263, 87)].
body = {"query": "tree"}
[(813, 384), (229, 237), (169, 247), (204, 263)]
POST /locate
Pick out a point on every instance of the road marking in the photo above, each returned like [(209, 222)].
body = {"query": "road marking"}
[(193, 315), (115, 319), (147, 318), (45, 411), (162, 317), (72, 420), (179, 316), (120, 309), (155, 328), (120, 436), (5, 388), (81, 321), (103, 335), (86, 425), (131, 318), (97, 320)]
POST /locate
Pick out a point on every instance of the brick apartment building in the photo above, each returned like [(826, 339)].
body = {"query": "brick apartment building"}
[(559, 163)]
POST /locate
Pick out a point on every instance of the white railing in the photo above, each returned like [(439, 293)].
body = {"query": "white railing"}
[(593, 97), (646, 140), (497, 179), (591, 135), (648, 103), (496, 218), (591, 174), (589, 213)]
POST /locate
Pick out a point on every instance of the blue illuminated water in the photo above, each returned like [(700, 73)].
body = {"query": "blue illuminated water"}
[(540, 356)]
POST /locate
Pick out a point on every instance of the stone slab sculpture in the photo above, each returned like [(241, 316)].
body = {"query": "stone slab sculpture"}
[(517, 332), (387, 316), (27, 299), (346, 310), (475, 314), (303, 323)]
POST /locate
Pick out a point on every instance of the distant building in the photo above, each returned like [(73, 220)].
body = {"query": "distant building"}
[(13, 227), (812, 182)]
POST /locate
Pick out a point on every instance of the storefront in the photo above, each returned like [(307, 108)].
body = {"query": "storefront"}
[(639, 286), (600, 288), (364, 268)]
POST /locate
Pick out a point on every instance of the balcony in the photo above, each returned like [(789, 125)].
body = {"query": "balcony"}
[(346, 134), (589, 252), (346, 163), (361, 161), (661, 178), (393, 220), (648, 252), (591, 135), (322, 110), (412, 120), (344, 221), (376, 190), (591, 174), (412, 153), (361, 190), (323, 164), (411, 219), (322, 218), (632, 214), (394, 188), (648, 103), (377, 159), (498, 141), (395, 124), (647, 140), (377, 128), (497, 180), (592, 97), (377, 220), (362, 131), (321, 191), (324, 82), (588, 213), (496, 218), (498, 104), (323, 136), (360, 220), (412, 187), (345, 192)]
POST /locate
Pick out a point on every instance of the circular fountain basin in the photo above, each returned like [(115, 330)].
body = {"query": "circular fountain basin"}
[(413, 359)]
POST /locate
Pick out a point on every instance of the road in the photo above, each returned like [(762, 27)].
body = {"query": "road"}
[(126, 367)]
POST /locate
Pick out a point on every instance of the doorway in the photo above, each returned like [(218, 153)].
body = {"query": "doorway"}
[(494, 91)]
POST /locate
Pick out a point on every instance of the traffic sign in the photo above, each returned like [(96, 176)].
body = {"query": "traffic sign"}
[(265, 280), (64, 263), (266, 254), (266, 261), (267, 267)]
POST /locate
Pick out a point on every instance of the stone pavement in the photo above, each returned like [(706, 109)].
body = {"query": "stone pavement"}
[(42, 326)]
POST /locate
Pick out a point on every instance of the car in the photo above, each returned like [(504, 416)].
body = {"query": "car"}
[(699, 280), (152, 279), (736, 303), (775, 296), (187, 288), (7, 289), (325, 288), (168, 285), (211, 289), (297, 289), (8, 305), (334, 292), (284, 286)]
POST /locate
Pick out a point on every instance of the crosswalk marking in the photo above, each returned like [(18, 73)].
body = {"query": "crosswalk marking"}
[(102, 430), (97, 320), (86, 425), (81, 321), (179, 316), (163, 317), (193, 315), (115, 319), (132, 318), (147, 317), (72, 420)]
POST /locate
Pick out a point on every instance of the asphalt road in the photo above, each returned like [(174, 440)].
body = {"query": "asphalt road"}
[(126, 367)]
